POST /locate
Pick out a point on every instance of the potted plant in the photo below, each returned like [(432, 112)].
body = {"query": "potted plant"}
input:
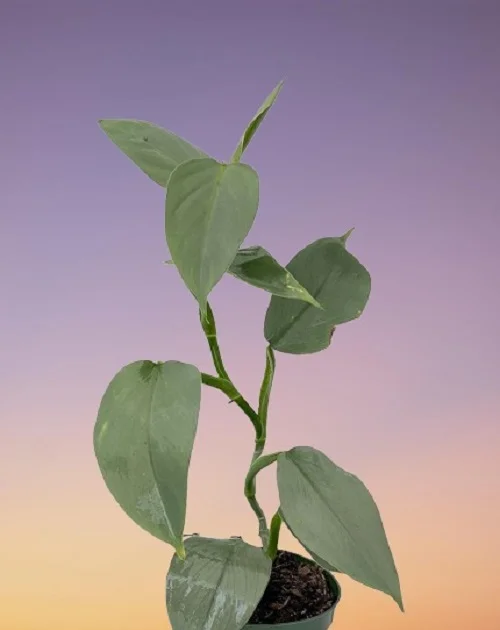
[(147, 420)]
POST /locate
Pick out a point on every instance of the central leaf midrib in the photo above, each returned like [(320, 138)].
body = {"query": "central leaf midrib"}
[(222, 168), (154, 388), (157, 144)]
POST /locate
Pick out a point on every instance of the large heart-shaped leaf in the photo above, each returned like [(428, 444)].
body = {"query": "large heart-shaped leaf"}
[(217, 586), (156, 151), (254, 124), (143, 439), (333, 515), (210, 208), (336, 280)]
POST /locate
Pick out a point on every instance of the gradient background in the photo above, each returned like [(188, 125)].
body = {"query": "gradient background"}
[(389, 122)]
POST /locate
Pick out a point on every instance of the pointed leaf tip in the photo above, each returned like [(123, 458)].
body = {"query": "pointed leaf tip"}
[(345, 236)]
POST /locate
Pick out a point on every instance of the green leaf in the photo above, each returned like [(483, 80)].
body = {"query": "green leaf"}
[(334, 516), (143, 439), (255, 123), (254, 265), (217, 586), (209, 210), (336, 280), (257, 267), (156, 151), (320, 561)]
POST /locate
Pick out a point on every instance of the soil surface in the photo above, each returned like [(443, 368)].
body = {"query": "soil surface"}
[(297, 590)]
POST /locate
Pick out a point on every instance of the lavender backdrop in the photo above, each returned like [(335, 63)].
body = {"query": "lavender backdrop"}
[(389, 122)]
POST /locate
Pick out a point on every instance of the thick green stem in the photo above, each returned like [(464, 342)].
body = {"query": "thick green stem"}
[(265, 392), (261, 517), (260, 442), (259, 449), (274, 534), (223, 382), (252, 499), (226, 386), (210, 330), (257, 466), (259, 420), (258, 463), (265, 389)]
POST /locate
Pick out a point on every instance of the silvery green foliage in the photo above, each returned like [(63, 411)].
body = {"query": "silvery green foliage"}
[(148, 417), (143, 439), (218, 585), (335, 517)]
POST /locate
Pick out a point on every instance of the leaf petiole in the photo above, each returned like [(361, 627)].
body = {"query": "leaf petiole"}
[(265, 390), (207, 321), (272, 546), (256, 467), (226, 386)]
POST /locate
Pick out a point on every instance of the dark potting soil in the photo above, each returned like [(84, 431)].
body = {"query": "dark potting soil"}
[(297, 590)]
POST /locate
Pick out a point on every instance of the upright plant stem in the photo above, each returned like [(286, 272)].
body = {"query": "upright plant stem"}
[(260, 443), (223, 381), (256, 467), (259, 420), (265, 390), (210, 330), (270, 538), (233, 394), (264, 395), (261, 518)]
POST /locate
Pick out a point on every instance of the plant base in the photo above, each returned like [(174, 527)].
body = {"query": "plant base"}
[(300, 594)]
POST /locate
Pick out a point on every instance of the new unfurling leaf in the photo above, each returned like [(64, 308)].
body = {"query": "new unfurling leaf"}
[(255, 123), (255, 266)]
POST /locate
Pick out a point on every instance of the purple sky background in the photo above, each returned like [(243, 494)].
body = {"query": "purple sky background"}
[(388, 122)]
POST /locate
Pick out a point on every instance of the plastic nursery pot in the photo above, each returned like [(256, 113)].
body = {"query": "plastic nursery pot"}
[(320, 622)]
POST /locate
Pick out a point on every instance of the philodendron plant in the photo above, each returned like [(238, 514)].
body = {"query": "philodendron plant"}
[(148, 417)]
